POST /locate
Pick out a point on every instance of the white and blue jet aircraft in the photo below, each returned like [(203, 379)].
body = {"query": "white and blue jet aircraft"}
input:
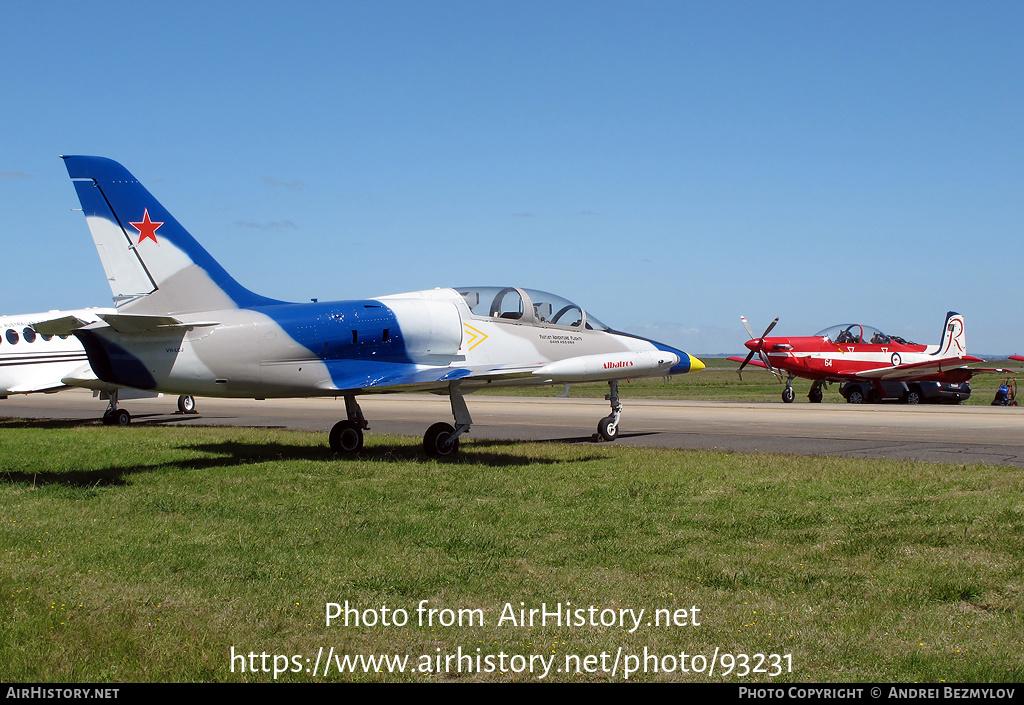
[(184, 325)]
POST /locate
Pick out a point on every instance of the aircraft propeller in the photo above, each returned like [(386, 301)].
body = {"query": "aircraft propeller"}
[(758, 348)]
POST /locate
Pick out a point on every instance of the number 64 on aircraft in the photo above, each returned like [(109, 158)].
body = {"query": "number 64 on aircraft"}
[(183, 325)]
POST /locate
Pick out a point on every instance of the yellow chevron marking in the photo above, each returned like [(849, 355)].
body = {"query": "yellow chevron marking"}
[(475, 336)]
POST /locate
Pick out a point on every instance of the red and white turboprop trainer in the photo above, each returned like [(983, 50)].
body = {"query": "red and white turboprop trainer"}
[(856, 352)]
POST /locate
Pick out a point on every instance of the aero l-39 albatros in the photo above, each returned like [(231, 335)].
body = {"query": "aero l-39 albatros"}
[(184, 325)]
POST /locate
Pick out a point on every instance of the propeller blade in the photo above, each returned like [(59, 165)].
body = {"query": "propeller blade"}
[(747, 326), (758, 349), (740, 370), (768, 364)]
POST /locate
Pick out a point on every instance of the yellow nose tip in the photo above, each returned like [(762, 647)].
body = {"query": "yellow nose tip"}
[(695, 364)]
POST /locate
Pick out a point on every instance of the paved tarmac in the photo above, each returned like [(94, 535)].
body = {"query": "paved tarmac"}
[(956, 434)]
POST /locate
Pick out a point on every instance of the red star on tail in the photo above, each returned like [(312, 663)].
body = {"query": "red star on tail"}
[(147, 228)]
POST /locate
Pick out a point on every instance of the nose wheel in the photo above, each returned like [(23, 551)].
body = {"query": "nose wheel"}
[(608, 427), (788, 395)]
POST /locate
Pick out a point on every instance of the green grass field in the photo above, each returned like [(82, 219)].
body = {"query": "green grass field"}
[(148, 554)]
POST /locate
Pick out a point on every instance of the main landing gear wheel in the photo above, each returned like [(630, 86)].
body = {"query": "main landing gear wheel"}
[(816, 394), (440, 441), (346, 437), (608, 428), (117, 417), (187, 404), (114, 416)]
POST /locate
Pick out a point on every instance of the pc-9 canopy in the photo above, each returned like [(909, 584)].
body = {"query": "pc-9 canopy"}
[(527, 306), (860, 334)]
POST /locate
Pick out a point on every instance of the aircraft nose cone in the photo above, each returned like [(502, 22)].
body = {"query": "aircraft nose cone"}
[(753, 345), (695, 364)]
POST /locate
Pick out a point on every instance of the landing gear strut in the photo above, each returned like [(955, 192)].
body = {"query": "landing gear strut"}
[(442, 440), (815, 395), (114, 416), (788, 395), (608, 427), (347, 435)]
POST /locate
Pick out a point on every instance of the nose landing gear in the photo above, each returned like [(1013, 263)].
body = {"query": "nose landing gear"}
[(608, 427)]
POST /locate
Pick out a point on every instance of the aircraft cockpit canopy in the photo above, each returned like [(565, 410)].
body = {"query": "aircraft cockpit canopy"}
[(527, 306), (858, 333)]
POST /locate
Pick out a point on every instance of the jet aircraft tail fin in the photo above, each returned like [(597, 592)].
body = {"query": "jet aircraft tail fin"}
[(954, 338), (153, 265)]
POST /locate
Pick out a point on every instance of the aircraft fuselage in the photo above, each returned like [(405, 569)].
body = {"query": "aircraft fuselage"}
[(366, 346)]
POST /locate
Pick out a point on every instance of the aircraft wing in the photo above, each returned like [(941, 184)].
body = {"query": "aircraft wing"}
[(373, 376), (33, 389), (922, 369), (369, 376), (752, 363)]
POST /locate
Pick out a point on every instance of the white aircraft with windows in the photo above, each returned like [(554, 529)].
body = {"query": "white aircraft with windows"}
[(182, 324), (32, 362)]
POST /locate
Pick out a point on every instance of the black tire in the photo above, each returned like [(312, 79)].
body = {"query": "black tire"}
[(815, 395), (121, 417), (438, 441), (187, 404), (346, 437), (607, 428), (108, 418), (912, 397), (855, 396), (788, 395), (874, 396)]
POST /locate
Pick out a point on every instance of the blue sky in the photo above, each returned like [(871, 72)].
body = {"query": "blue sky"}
[(667, 165)]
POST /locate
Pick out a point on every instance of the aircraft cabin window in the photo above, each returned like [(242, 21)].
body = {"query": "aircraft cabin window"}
[(508, 304), (528, 306), (12, 336), (851, 333), (30, 335)]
